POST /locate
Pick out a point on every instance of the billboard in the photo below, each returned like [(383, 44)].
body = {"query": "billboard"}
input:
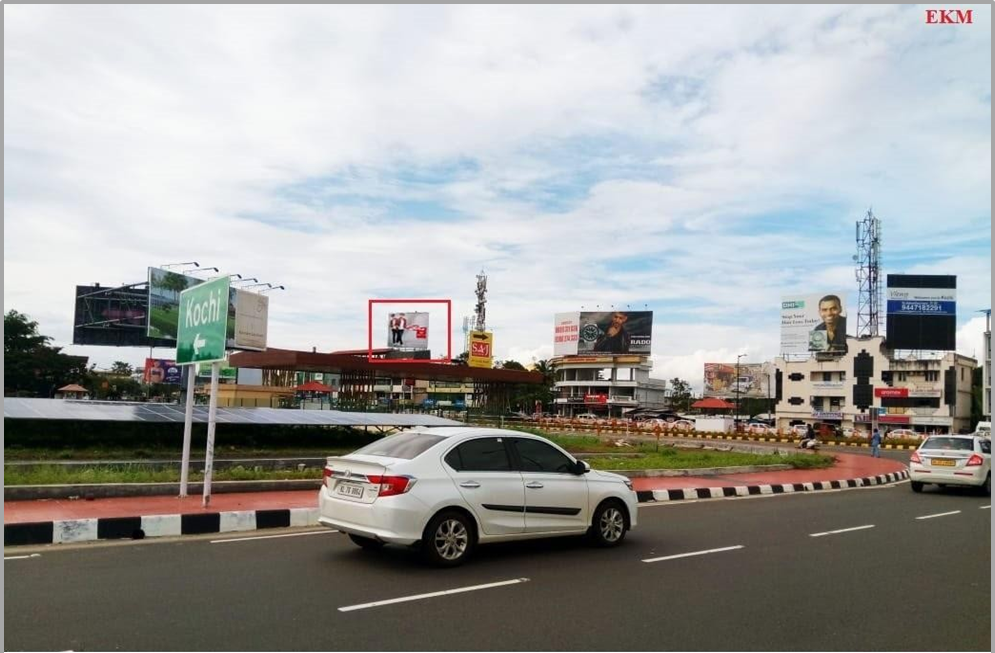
[(922, 311), (481, 352), (164, 301), (566, 331), (603, 332), (750, 380), (161, 370), (251, 320), (113, 317), (407, 330), (814, 324), (248, 312), (225, 373)]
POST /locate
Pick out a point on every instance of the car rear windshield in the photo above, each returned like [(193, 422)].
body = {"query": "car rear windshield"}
[(403, 445), (953, 444)]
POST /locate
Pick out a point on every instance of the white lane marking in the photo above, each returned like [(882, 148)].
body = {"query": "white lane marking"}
[(418, 597), (841, 530), (271, 537), (24, 557), (694, 553), (988, 507), (940, 514)]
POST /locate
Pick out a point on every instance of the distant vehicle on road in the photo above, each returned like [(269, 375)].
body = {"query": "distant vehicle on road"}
[(984, 430), (952, 460), (447, 489), (903, 434)]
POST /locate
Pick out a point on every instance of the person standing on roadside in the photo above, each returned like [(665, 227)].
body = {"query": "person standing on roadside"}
[(876, 442)]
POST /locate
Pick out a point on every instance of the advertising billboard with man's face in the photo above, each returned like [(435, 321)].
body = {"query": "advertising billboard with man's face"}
[(604, 332), (813, 324), (748, 380)]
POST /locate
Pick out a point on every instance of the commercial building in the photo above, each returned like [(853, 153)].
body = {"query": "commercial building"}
[(608, 386), (924, 395)]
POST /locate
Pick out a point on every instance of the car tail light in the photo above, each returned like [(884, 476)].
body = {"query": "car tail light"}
[(326, 474), (391, 485), (974, 460), (915, 458)]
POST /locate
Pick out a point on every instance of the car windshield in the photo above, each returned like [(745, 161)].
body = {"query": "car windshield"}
[(406, 445), (955, 444)]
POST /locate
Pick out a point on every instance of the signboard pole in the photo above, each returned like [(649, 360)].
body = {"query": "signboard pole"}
[(187, 431), (212, 415)]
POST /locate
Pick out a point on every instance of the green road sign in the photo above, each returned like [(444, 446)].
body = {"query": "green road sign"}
[(203, 323)]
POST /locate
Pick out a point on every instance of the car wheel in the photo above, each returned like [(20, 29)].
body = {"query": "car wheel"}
[(987, 487), (916, 486), (367, 543), (449, 539), (609, 524)]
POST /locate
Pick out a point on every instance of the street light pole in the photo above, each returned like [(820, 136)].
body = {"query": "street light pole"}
[(738, 390)]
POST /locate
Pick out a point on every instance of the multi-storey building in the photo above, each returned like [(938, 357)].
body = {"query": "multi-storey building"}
[(924, 395), (608, 386)]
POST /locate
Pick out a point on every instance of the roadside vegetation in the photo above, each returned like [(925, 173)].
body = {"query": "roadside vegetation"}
[(608, 456)]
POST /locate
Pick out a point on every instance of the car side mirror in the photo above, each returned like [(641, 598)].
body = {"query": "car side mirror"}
[(581, 467)]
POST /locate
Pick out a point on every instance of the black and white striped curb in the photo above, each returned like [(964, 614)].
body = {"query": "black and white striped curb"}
[(646, 496), (136, 528)]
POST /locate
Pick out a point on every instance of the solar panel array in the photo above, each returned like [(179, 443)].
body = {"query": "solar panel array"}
[(67, 409)]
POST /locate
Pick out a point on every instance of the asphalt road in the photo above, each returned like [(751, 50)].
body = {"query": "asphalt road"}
[(897, 582)]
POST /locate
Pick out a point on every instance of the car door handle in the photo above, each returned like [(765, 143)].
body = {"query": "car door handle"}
[(470, 484), (535, 485)]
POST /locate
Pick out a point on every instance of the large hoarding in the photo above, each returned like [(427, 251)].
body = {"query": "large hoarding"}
[(248, 312), (922, 311), (814, 324), (161, 370), (407, 330), (748, 380), (164, 301), (603, 332), (113, 317)]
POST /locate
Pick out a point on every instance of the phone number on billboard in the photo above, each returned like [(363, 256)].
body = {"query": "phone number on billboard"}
[(921, 307)]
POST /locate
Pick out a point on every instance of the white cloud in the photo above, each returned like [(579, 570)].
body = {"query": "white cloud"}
[(703, 160)]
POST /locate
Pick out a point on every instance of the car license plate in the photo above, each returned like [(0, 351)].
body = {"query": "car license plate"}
[(943, 462), (350, 490)]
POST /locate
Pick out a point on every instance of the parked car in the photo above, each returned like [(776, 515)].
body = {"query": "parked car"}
[(799, 430), (903, 434), (589, 417), (760, 428), (952, 460), (448, 489)]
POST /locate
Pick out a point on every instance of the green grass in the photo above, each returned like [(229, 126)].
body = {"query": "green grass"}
[(670, 458), (647, 457), (57, 475)]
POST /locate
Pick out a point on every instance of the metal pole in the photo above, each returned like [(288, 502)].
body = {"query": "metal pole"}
[(212, 415), (187, 430)]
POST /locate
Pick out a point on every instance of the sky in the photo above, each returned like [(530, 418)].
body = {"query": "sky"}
[(697, 161)]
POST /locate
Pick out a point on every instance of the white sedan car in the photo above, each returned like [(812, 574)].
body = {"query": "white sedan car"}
[(447, 489), (952, 460)]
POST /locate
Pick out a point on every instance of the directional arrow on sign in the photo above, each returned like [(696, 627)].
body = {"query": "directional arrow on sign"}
[(198, 342)]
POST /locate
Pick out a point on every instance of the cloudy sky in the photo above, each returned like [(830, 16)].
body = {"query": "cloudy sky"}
[(697, 161)]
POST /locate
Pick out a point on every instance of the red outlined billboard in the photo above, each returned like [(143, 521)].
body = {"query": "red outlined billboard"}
[(448, 303)]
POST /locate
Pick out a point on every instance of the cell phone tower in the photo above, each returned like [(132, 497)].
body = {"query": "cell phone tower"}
[(480, 313), (868, 260)]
